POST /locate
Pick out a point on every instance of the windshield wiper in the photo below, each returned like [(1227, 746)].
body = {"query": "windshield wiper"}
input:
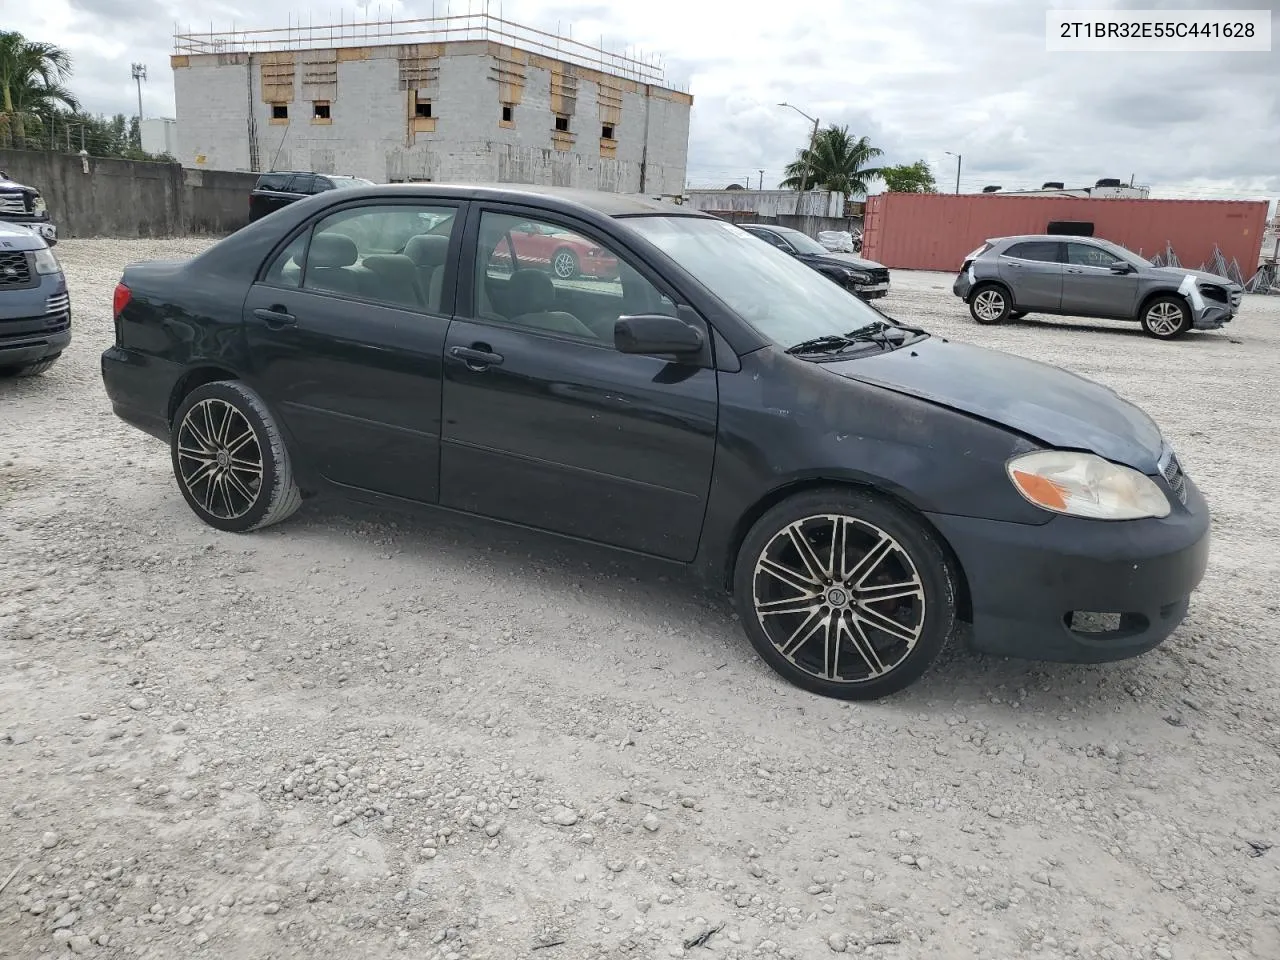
[(822, 344)]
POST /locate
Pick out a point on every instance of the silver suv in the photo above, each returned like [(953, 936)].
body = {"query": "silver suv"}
[(1088, 277)]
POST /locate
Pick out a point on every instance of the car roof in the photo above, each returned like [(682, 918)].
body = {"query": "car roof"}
[(1052, 237), (566, 198)]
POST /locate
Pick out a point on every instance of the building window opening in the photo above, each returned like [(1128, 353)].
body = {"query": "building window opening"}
[(422, 109), (508, 113), (606, 131), (279, 111), (562, 124), (320, 110)]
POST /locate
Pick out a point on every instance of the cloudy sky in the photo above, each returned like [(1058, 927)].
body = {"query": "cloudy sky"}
[(919, 77)]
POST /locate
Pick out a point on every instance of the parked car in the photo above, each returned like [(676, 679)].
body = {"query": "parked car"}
[(856, 484), (23, 205), (1009, 277), (866, 278), (283, 187), (568, 257), (35, 306), (837, 241)]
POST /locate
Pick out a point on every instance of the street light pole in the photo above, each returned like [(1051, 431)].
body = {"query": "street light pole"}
[(958, 157), (808, 157), (139, 74)]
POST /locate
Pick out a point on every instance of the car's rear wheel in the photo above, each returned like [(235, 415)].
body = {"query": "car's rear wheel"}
[(564, 264), (28, 369), (1166, 318), (990, 304), (230, 459), (845, 594)]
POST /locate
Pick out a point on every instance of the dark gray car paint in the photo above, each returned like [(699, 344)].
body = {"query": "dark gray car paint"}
[(1044, 402)]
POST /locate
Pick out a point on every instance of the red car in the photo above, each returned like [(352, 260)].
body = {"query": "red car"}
[(567, 254)]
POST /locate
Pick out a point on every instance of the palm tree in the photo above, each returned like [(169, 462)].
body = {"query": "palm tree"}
[(838, 163), (32, 83)]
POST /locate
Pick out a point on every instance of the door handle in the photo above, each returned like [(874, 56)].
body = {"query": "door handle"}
[(476, 358), (276, 317)]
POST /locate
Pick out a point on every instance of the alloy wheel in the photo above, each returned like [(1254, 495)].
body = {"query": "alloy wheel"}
[(989, 305), (1164, 318), (220, 459), (839, 598), (564, 265)]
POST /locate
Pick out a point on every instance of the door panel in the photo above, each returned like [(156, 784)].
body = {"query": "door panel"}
[(1033, 271), (579, 439), (347, 359), (1091, 289), (546, 424)]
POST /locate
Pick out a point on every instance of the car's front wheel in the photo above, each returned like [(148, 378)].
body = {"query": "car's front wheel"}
[(845, 594), (230, 460), (1166, 318), (990, 304)]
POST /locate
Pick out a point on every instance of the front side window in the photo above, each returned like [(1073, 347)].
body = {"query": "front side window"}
[(1087, 255), (544, 276), (274, 181), (393, 254), (303, 183), (1042, 250), (781, 297), (801, 242)]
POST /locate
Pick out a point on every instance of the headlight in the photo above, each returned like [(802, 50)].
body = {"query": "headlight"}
[(38, 206), (46, 262), (1084, 485), (857, 277)]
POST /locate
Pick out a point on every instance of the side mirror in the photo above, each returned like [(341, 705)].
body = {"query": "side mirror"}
[(1121, 267), (656, 334)]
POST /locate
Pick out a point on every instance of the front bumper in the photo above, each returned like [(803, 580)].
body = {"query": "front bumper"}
[(1212, 317), (1034, 588), (872, 291), (35, 323)]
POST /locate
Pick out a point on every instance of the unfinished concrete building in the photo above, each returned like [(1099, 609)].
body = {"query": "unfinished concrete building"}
[(463, 98)]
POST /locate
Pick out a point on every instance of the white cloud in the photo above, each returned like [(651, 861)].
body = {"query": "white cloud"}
[(917, 76)]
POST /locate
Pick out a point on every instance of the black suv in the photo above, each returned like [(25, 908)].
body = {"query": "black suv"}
[(282, 187)]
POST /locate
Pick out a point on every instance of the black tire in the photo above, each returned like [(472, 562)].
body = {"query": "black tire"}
[(225, 496), (564, 264), (1166, 317), (990, 303), (900, 657), (29, 369)]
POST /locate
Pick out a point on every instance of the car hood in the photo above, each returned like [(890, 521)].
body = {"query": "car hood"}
[(11, 186), (1177, 273), (1049, 404), (843, 260)]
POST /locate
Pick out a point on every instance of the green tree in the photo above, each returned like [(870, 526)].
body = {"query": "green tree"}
[(909, 178), (839, 163), (33, 79)]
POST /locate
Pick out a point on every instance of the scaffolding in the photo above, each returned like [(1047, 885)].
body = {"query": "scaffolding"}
[(448, 28)]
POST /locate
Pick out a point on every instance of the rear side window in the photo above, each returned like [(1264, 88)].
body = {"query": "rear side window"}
[(1046, 251), (303, 183), (273, 181)]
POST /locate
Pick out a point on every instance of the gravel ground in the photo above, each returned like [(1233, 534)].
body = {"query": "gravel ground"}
[(358, 733)]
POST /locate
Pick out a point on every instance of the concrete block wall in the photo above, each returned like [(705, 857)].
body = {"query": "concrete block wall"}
[(369, 131), (131, 198)]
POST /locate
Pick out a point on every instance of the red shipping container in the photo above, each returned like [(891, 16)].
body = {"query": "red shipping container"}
[(931, 231)]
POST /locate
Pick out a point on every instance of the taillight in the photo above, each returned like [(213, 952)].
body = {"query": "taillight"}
[(121, 299)]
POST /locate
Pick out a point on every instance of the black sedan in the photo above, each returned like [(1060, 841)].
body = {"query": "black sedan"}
[(866, 278), (858, 485)]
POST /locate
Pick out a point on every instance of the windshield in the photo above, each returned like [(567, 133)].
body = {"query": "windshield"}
[(782, 298), (351, 182), (802, 242)]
